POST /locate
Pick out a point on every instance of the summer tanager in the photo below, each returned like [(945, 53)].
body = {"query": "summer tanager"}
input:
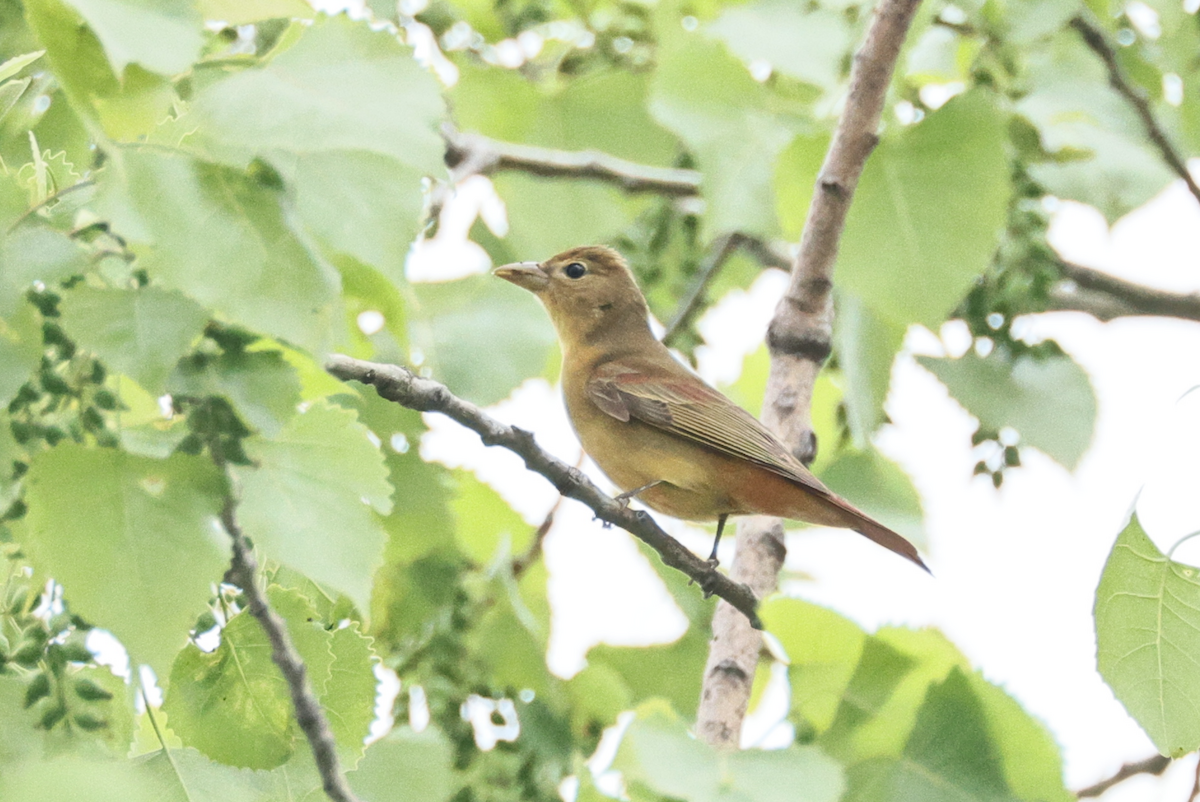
[(659, 432)]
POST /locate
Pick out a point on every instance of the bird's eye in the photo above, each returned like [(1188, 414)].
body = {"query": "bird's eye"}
[(575, 270)]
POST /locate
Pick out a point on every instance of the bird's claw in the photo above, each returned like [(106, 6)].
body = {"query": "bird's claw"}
[(707, 583)]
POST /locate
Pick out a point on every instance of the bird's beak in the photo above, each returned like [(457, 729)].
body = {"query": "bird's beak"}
[(524, 274)]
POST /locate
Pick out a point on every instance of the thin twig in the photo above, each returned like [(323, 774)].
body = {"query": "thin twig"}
[(1195, 785), (402, 386), (714, 260), (87, 182), (521, 562), (800, 339), (1155, 764), (469, 153), (309, 715), (1095, 39)]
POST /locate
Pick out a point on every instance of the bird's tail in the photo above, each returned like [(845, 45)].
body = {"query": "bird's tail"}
[(888, 539)]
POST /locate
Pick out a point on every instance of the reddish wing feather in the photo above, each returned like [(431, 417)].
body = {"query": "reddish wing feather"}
[(687, 407)]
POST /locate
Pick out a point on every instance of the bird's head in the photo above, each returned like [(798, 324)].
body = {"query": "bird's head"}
[(588, 291)]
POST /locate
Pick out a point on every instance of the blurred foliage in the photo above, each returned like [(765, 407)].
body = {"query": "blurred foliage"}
[(200, 200)]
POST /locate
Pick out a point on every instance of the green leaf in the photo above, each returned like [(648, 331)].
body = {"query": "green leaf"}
[(1098, 146), (191, 222), (363, 204), (811, 45), (10, 93), (309, 501), (865, 724), (866, 341), (141, 333), (823, 650), (70, 778), (901, 254), (232, 704), (884, 702), (948, 758), (162, 35), (309, 637), (602, 110), (341, 87), (244, 12), (547, 216), (1147, 638), (658, 753), (35, 253), (16, 723), (95, 514), (98, 693), (1033, 766), (20, 350), (878, 487), (349, 696), (187, 775), (732, 124), (796, 172), (406, 766), (17, 63), (1049, 401), (484, 521), (481, 337), (262, 386)]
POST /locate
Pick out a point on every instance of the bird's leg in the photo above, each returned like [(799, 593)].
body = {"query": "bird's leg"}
[(623, 498), (706, 584), (712, 558)]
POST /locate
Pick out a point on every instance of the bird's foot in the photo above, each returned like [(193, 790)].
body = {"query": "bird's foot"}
[(707, 582)]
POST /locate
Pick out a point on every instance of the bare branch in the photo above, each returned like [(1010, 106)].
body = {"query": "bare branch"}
[(800, 338), (1156, 765), (521, 563), (1106, 297), (468, 154), (714, 260), (1095, 39), (409, 390), (309, 715)]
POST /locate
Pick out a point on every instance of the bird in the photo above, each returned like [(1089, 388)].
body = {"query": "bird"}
[(658, 431)]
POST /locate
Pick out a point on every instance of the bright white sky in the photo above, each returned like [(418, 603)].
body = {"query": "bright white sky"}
[(1016, 569)]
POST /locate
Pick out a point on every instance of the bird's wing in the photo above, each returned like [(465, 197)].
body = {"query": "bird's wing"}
[(688, 407)]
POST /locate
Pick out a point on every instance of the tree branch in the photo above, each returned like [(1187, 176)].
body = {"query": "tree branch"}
[(1095, 39), (1156, 765), (409, 390), (309, 715), (468, 154), (716, 258), (1107, 297), (800, 339)]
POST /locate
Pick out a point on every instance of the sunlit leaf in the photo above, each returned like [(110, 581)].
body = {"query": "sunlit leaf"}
[(407, 766), (481, 336), (161, 35), (310, 500), (1050, 402), (141, 333), (192, 222), (811, 45), (659, 754), (901, 254), (1147, 639), (96, 514), (232, 704)]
